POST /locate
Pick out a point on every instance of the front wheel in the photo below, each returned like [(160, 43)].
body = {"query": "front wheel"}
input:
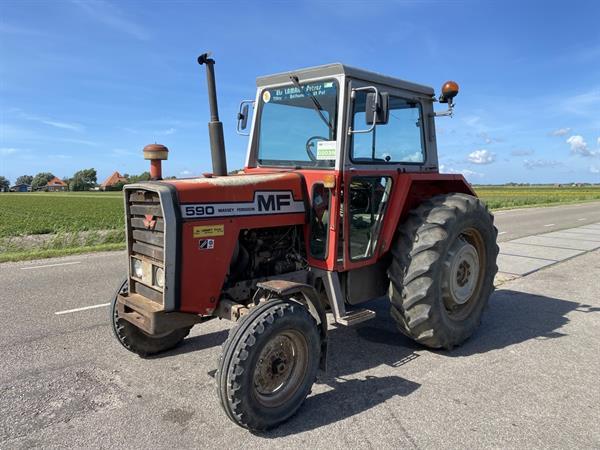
[(443, 268), (269, 364), (138, 341)]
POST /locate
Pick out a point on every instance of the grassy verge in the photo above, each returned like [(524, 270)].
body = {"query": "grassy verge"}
[(56, 252)]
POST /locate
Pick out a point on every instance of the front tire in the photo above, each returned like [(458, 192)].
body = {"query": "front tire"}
[(269, 364), (138, 341), (443, 268)]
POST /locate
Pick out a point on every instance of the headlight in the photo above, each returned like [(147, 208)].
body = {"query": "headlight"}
[(136, 266), (159, 277)]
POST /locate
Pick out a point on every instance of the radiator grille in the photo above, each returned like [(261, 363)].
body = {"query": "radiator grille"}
[(145, 228)]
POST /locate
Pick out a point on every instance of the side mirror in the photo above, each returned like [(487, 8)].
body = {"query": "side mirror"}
[(449, 91), (377, 107), (242, 117)]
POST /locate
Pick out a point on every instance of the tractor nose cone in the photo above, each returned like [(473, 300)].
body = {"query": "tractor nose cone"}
[(156, 153)]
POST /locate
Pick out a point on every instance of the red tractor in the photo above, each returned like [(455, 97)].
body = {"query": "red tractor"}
[(340, 202)]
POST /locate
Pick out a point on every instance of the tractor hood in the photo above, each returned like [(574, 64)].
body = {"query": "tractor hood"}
[(240, 195)]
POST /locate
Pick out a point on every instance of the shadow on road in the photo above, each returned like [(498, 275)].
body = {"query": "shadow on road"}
[(511, 318)]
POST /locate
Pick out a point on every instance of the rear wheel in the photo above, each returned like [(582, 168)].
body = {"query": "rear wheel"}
[(443, 268), (269, 364), (137, 341)]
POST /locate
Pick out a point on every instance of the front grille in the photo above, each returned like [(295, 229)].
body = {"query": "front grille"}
[(145, 233)]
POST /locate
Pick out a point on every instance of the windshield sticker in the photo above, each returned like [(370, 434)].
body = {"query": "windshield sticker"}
[(266, 96), (326, 150), (292, 92)]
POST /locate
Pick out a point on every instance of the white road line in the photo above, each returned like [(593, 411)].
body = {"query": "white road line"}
[(502, 232), (68, 311), (549, 225), (51, 265), (583, 218)]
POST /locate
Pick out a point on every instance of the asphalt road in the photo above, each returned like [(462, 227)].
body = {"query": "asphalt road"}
[(516, 223), (526, 379)]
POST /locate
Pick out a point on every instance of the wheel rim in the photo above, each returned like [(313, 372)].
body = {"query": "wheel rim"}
[(464, 276), (281, 368)]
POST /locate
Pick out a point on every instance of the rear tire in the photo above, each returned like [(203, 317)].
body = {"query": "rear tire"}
[(136, 340), (443, 268), (269, 364)]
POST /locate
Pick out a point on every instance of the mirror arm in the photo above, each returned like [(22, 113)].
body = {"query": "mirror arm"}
[(448, 112), (353, 95)]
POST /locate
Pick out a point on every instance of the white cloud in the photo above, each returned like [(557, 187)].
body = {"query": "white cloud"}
[(63, 125), (113, 17), (5, 151), (598, 142), (579, 146), (472, 120), (466, 172), (560, 132), (81, 141), (585, 104), (470, 173), (481, 157), (540, 163), (522, 152), (594, 169), (185, 172)]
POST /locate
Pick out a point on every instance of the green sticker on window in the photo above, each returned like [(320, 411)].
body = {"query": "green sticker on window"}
[(326, 150)]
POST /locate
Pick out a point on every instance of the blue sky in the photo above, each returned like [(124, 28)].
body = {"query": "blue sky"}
[(88, 84)]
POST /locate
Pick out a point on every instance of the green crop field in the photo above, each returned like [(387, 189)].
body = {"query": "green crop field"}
[(45, 212), (35, 225), (498, 197)]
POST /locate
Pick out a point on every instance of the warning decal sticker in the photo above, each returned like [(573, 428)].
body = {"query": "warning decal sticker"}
[(209, 231)]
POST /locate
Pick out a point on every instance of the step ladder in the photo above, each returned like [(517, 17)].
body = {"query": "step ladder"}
[(338, 306)]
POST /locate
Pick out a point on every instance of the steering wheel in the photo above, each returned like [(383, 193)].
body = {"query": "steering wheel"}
[(309, 146)]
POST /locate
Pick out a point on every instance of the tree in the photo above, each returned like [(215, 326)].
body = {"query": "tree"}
[(41, 180), (144, 176), (116, 187), (24, 179), (83, 180), (4, 184)]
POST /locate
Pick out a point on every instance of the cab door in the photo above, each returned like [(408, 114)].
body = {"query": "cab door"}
[(376, 157)]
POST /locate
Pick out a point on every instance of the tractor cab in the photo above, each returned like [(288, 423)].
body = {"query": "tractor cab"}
[(355, 136)]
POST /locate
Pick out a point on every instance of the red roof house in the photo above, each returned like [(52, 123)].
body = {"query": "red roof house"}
[(56, 185), (112, 180)]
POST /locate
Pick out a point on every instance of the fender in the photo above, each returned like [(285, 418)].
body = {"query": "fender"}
[(412, 189), (310, 299)]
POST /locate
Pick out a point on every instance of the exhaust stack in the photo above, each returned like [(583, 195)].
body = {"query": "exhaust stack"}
[(215, 127)]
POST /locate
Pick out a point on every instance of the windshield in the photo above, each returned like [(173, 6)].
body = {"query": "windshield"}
[(297, 125)]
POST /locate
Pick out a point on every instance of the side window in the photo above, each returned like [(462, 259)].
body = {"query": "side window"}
[(398, 141), (368, 201), (319, 221)]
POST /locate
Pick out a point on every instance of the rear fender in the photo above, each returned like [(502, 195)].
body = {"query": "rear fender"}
[(413, 189)]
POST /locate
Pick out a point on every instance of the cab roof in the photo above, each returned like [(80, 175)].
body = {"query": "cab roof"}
[(341, 69)]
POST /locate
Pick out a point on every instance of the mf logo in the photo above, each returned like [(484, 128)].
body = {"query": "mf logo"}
[(273, 202), (149, 222)]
